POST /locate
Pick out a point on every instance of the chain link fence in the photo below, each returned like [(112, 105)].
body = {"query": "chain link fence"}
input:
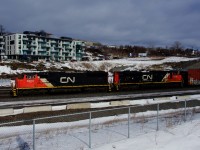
[(93, 128)]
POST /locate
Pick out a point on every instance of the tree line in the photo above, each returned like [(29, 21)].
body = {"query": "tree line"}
[(132, 51)]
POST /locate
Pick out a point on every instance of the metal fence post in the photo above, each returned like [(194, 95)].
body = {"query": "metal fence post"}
[(33, 134), (157, 117), (129, 122), (185, 113), (90, 130)]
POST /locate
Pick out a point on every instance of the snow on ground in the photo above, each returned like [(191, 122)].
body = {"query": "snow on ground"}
[(183, 137), (109, 133), (5, 69), (105, 65), (5, 82), (128, 63)]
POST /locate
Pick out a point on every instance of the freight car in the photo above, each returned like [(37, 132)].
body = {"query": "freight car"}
[(59, 80), (194, 77)]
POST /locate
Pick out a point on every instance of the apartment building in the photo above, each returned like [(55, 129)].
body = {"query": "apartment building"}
[(42, 46), (2, 47)]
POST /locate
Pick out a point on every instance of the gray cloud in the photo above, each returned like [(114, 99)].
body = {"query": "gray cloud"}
[(157, 22)]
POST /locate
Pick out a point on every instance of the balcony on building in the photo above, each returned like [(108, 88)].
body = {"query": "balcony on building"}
[(57, 56), (41, 50), (53, 41), (42, 53), (2, 42), (40, 40), (55, 49), (48, 45), (79, 51), (54, 52), (66, 51), (60, 46), (33, 44), (26, 51), (32, 49), (43, 46), (24, 48), (66, 43), (24, 38)]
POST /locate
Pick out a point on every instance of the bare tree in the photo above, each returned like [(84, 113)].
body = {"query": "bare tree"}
[(177, 45)]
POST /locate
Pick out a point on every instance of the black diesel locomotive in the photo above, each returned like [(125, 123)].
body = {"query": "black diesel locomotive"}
[(59, 80), (140, 78), (110, 81)]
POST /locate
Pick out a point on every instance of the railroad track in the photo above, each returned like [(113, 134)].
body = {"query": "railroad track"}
[(34, 95), (94, 97), (88, 96), (5, 92), (82, 98)]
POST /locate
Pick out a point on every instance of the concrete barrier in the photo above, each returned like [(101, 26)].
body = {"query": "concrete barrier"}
[(185, 97), (37, 109), (6, 112), (162, 98), (120, 103), (100, 105), (18, 111), (61, 107), (142, 102), (79, 106), (173, 98)]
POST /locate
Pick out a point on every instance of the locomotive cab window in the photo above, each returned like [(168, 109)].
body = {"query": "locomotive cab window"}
[(21, 76), (30, 76)]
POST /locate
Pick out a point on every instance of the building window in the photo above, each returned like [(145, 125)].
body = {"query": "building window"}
[(12, 42)]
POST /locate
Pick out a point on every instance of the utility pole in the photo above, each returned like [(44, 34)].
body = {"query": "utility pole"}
[(1, 30)]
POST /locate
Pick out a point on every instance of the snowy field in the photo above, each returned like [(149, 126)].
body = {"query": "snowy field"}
[(106, 65), (181, 137), (110, 133)]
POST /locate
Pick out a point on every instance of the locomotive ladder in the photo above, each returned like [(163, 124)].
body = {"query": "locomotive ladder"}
[(14, 92)]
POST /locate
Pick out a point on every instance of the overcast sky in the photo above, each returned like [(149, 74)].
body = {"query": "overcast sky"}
[(114, 22)]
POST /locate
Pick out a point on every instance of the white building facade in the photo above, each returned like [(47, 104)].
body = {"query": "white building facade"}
[(40, 45)]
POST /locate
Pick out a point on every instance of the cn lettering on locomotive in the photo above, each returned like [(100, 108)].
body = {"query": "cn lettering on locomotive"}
[(147, 77), (67, 79)]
